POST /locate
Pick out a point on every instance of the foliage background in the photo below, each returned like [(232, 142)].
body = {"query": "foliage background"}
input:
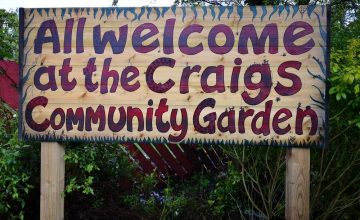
[(101, 182)]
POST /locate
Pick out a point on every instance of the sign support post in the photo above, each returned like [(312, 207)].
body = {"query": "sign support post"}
[(82, 104), (52, 181), (297, 196)]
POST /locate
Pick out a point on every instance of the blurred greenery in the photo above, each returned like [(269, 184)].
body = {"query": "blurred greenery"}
[(9, 34), (102, 183)]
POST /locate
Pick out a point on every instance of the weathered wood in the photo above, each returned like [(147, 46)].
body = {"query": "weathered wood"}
[(156, 157), (297, 184), (52, 181), (181, 157), (191, 154), (89, 44), (141, 61), (140, 49), (143, 162), (174, 165), (186, 14), (213, 157)]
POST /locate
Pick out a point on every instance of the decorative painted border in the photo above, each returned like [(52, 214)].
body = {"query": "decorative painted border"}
[(161, 11), (120, 139)]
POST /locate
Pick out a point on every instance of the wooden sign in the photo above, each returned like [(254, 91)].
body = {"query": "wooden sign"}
[(231, 75)]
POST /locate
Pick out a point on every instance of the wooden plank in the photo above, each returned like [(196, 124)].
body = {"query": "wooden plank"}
[(180, 156), (144, 163), (234, 22), (174, 165), (190, 153), (155, 157), (89, 43), (192, 99), (293, 49), (297, 199), (52, 181), (205, 159), (41, 114), (214, 158), (185, 14), (223, 157), (141, 61)]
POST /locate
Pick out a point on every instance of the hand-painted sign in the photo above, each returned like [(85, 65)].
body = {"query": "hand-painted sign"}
[(234, 75)]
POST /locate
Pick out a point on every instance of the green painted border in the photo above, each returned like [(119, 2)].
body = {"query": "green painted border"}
[(270, 143)]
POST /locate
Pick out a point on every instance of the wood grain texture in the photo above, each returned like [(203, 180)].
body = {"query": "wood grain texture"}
[(297, 196), (52, 181), (312, 72)]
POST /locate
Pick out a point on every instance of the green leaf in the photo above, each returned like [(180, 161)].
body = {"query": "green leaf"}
[(332, 90), (357, 89), (338, 96), (89, 168), (211, 202)]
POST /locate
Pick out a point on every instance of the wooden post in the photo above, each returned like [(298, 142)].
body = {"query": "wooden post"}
[(297, 184), (52, 181)]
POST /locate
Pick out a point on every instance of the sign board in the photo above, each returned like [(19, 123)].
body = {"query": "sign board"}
[(253, 75)]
